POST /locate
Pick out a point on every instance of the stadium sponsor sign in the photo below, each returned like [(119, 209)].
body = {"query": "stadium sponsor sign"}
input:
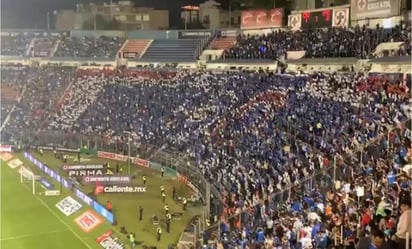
[(52, 193), (15, 163), (106, 179), (227, 33), (88, 221), (6, 148), (193, 34), (258, 19), (5, 156), (340, 17), (120, 189), (362, 9), (68, 206), (46, 184), (109, 241), (58, 149), (122, 158), (130, 54), (89, 172), (83, 167), (295, 21)]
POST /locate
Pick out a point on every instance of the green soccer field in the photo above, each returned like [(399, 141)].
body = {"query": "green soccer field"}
[(125, 206), (33, 222)]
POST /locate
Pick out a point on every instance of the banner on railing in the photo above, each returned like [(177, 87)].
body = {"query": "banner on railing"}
[(58, 149), (122, 158), (6, 148), (362, 9), (258, 19), (341, 18), (294, 21), (194, 34)]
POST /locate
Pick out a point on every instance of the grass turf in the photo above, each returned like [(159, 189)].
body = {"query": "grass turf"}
[(33, 222), (126, 205)]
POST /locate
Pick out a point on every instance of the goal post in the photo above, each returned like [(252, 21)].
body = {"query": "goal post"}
[(35, 182), (29, 178)]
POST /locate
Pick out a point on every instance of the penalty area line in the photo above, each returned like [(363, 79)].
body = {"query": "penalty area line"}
[(33, 235)]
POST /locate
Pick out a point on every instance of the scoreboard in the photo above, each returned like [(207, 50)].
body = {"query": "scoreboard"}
[(318, 19)]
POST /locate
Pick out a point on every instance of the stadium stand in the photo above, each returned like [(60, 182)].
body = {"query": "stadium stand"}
[(43, 46), (299, 160), (332, 42), (41, 88), (222, 43), (172, 50), (135, 48), (89, 47), (15, 45)]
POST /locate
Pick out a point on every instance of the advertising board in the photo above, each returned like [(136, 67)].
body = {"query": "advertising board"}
[(58, 149), (194, 34), (89, 172), (362, 9), (68, 206), (15, 163), (82, 167), (5, 148), (88, 221), (122, 158), (258, 19), (106, 179), (341, 17), (109, 241), (120, 189), (6, 156), (130, 54)]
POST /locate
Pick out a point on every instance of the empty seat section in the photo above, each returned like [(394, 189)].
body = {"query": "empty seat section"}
[(135, 48), (172, 50), (222, 43)]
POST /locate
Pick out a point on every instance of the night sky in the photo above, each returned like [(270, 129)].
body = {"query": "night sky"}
[(31, 14)]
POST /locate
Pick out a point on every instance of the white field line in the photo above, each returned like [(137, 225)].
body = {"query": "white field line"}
[(60, 219), (33, 235)]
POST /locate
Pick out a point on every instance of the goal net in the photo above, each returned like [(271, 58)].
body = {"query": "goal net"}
[(28, 178)]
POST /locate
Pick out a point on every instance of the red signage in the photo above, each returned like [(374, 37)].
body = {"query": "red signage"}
[(258, 19)]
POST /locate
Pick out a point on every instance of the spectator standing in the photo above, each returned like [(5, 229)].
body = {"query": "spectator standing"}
[(403, 231)]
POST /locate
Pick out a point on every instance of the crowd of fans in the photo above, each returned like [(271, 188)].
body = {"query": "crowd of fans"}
[(300, 161), (89, 47), (357, 42), (15, 45), (41, 89), (255, 135)]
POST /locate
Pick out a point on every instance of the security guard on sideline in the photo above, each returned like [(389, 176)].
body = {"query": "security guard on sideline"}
[(163, 197), (132, 240), (168, 220), (166, 208), (162, 171), (144, 180), (140, 213), (65, 158), (55, 153), (162, 189), (159, 233), (41, 151), (184, 203)]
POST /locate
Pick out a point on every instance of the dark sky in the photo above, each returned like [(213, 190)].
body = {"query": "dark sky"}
[(30, 14)]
